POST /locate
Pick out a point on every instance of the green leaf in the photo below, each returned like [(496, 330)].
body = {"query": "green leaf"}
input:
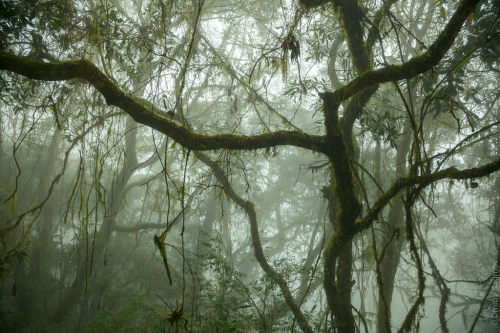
[(443, 13), (11, 204)]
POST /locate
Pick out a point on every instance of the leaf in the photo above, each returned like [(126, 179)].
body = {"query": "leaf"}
[(443, 13), (284, 66), (11, 204), (464, 318)]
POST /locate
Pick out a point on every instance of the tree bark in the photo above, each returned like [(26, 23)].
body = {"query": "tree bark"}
[(391, 244)]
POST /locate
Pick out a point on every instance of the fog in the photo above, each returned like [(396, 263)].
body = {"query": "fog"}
[(249, 166)]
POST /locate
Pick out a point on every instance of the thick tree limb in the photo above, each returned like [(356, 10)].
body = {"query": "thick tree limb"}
[(415, 66), (375, 28), (83, 69), (351, 16)]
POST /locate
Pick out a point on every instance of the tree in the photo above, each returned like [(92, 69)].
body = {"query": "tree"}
[(393, 59)]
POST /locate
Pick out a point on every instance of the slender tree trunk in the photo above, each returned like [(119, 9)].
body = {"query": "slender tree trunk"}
[(31, 280), (393, 245), (114, 201)]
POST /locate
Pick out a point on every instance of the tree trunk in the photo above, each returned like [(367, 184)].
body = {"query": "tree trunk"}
[(393, 245), (114, 201)]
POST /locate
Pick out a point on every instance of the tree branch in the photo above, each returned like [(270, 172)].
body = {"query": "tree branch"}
[(83, 69), (415, 66), (249, 209), (138, 227), (425, 180)]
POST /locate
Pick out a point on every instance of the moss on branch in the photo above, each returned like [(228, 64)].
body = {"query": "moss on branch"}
[(425, 180), (83, 69), (415, 66)]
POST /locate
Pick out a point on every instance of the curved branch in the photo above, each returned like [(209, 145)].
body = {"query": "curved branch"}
[(425, 180), (84, 69), (249, 209), (415, 66)]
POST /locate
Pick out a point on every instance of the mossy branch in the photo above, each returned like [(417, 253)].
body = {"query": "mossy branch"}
[(415, 66), (425, 180), (83, 69), (377, 20)]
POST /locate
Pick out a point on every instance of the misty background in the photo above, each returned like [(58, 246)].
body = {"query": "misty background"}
[(108, 225)]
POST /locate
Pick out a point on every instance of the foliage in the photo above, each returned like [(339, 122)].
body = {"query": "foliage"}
[(296, 163)]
